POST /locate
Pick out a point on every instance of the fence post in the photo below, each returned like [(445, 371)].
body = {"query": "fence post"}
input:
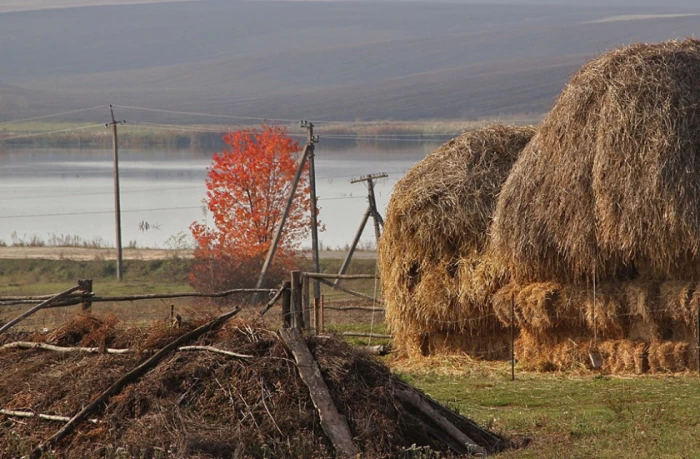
[(86, 288), (321, 325), (296, 300), (306, 306), (317, 304), (286, 304)]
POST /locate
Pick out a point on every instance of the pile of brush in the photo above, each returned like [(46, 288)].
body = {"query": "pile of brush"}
[(235, 391)]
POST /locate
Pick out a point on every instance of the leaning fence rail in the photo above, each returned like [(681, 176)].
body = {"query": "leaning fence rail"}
[(68, 300)]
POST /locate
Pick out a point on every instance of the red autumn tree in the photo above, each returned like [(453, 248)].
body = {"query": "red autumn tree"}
[(247, 187)]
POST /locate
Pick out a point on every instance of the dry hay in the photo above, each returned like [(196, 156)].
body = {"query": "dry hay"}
[(201, 404), (610, 184), (639, 325), (566, 353), (435, 233)]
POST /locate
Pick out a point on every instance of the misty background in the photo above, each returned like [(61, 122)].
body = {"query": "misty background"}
[(331, 60)]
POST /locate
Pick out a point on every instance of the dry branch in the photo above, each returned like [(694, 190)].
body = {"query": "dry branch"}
[(132, 376), (216, 350), (271, 303), (354, 308), (36, 308), (333, 423), (51, 347), (31, 414)]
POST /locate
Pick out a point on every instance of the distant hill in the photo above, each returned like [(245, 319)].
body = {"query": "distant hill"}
[(342, 60)]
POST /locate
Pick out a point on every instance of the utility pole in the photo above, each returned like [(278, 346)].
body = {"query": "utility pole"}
[(371, 212), (117, 206), (310, 142)]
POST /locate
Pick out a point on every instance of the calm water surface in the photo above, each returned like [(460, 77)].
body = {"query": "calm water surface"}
[(45, 192)]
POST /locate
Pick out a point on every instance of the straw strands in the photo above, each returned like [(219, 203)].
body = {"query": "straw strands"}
[(610, 184), (435, 232)]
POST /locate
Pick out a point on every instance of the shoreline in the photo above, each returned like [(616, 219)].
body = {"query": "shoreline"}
[(88, 254)]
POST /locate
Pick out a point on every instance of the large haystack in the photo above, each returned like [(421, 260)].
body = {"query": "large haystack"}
[(435, 233), (598, 224), (610, 184)]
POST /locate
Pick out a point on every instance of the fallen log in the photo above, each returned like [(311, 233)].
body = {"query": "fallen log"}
[(333, 423), (133, 375)]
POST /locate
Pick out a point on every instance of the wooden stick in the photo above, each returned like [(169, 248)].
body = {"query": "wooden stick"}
[(36, 308), (216, 350), (340, 276), (31, 414), (51, 347), (271, 303), (333, 423), (355, 308), (351, 292), (366, 335), (132, 376), (413, 399)]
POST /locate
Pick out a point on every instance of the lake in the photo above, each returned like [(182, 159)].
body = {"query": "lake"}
[(47, 193)]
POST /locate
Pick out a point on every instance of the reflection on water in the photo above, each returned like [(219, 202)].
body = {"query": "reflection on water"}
[(70, 192)]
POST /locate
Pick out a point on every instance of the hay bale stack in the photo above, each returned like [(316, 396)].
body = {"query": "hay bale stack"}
[(610, 184), (435, 233)]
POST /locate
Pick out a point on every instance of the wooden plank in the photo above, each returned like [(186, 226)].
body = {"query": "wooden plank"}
[(413, 399), (333, 423)]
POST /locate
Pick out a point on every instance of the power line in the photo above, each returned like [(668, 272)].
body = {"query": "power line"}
[(210, 115), (53, 115), (39, 134), (98, 212)]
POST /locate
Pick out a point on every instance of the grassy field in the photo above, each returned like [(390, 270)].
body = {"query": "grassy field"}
[(557, 415), (565, 415)]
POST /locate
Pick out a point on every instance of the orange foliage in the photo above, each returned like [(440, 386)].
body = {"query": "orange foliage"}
[(247, 187)]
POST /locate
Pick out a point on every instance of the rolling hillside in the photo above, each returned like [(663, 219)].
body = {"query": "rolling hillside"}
[(341, 60)]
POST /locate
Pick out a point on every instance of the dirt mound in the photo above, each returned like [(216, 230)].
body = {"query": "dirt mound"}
[(202, 404)]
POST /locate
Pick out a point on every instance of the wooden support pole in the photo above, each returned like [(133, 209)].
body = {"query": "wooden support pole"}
[(278, 231), (117, 204), (36, 308), (333, 423), (353, 246), (311, 140)]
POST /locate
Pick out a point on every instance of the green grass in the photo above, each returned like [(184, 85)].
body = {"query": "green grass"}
[(30, 276), (578, 416)]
